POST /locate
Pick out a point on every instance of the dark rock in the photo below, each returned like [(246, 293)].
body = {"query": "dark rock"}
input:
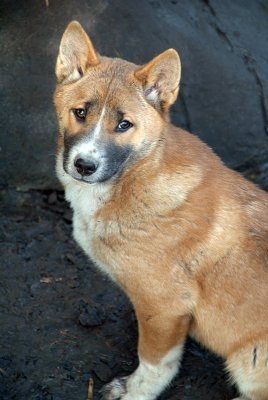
[(224, 89)]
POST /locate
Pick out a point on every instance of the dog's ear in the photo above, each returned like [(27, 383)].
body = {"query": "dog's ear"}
[(76, 54), (160, 79)]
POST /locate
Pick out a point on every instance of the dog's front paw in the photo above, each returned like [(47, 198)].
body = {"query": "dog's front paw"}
[(114, 390)]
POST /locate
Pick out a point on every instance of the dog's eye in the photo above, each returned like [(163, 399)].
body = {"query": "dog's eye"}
[(80, 113), (123, 126)]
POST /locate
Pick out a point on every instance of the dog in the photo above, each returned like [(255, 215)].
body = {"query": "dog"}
[(185, 237)]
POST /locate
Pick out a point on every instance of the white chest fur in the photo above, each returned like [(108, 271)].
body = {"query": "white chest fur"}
[(85, 199)]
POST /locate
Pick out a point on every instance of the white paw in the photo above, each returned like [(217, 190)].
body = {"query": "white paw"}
[(147, 382), (239, 398), (114, 390)]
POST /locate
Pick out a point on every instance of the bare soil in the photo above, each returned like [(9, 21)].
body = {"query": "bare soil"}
[(62, 322)]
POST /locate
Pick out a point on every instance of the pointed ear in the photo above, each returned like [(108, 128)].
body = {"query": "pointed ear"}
[(76, 54), (160, 79)]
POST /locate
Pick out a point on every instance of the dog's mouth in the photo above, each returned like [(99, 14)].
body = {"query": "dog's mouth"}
[(92, 181), (82, 179)]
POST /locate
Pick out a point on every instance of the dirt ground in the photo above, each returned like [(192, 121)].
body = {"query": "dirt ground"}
[(62, 322)]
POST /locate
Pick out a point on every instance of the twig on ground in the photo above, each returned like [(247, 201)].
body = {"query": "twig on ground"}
[(90, 389)]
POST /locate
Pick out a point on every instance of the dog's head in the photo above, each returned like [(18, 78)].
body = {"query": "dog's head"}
[(111, 112)]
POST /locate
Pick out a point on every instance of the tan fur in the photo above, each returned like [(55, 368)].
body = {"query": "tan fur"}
[(184, 236)]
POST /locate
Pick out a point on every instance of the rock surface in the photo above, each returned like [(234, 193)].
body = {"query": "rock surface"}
[(224, 91)]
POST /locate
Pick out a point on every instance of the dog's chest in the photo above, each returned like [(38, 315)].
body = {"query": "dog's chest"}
[(86, 202)]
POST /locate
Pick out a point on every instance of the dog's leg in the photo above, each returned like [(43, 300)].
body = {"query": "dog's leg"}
[(149, 380), (161, 340), (249, 369)]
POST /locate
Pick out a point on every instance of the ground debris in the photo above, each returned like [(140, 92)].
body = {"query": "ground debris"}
[(90, 389), (91, 314)]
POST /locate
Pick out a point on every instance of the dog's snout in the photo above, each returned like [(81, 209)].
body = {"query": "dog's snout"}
[(85, 167)]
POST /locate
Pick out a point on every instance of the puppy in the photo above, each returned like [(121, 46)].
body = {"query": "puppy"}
[(156, 210)]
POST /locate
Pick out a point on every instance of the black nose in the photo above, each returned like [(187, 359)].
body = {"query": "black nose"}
[(85, 167)]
